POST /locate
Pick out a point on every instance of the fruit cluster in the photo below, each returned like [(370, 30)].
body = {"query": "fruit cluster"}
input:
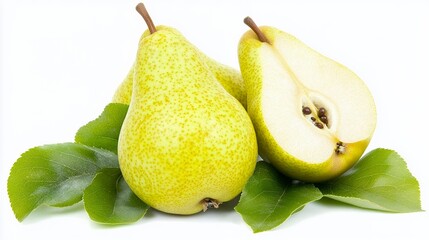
[(187, 132), (187, 139)]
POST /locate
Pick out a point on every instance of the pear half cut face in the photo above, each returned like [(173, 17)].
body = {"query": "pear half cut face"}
[(316, 117), (292, 100)]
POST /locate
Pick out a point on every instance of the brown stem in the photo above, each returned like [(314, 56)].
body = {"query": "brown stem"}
[(143, 12), (249, 22)]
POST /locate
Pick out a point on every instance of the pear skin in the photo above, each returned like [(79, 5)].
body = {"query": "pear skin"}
[(124, 91)]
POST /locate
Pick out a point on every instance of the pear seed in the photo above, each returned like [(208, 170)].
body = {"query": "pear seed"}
[(322, 112), (313, 119), (324, 119), (319, 125), (306, 110)]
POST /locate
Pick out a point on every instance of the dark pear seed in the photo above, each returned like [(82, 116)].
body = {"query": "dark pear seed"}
[(319, 125), (306, 110), (324, 119), (322, 112), (313, 119)]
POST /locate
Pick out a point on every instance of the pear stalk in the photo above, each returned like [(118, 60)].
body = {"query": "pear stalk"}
[(141, 9), (249, 22)]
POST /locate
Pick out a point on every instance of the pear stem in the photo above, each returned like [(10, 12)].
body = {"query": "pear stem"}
[(249, 22), (143, 12)]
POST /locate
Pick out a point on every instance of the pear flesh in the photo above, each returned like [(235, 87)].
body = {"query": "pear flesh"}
[(313, 116), (186, 144)]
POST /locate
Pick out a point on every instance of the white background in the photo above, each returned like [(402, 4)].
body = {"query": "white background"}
[(62, 60)]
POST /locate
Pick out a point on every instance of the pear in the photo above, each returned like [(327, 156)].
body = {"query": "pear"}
[(186, 144), (313, 116), (229, 77)]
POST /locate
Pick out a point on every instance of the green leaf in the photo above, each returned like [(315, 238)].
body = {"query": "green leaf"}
[(54, 175), (380, 181), (269, 198), (103, 132), (109, 200)]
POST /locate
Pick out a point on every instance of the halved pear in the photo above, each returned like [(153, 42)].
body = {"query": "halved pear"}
[(313, 116)]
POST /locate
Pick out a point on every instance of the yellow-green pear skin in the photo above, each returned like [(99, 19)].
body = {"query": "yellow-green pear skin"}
[(229, 77), (287, 85), (185, 138), (125, 89)]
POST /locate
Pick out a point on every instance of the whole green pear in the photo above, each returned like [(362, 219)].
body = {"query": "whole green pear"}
[(186, 144)]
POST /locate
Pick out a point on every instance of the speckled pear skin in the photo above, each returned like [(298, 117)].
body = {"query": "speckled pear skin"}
[(125, 89), (185, 138), (229, 77)]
